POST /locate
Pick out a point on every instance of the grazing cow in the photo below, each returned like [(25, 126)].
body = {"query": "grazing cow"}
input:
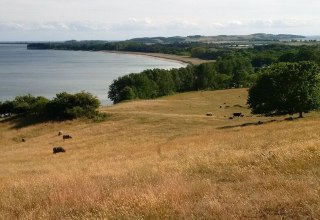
[(209, 114), (237, 114), (66, 136), (259, 123), (58, 150)]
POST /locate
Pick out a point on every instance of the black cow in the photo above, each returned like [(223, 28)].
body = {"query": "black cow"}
[(209, 114), (66, 136), (238, 114), (58, 150)]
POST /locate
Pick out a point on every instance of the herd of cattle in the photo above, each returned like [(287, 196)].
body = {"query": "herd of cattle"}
[(61, 149), (234, 115), (67, 136)]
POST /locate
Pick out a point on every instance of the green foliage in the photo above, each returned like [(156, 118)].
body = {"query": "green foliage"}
[(286, 88), (127, 93), (172, 48), (155, 83), (205, 76), (236, 66), (229, 72), (184, 79), (25, 105), (64, 106), (68, 106), (301, 54), (6, 107), (261, 60)]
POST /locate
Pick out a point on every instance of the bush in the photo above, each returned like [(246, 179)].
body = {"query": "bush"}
[(24, 105), (63, 106), (6, 107), (68, 106)]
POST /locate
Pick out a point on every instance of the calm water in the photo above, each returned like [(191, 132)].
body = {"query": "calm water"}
[(47, 72)]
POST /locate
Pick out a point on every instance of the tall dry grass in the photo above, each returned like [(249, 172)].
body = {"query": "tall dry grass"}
[(164, 159)]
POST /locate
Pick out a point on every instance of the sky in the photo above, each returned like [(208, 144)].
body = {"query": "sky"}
[(56, 20)]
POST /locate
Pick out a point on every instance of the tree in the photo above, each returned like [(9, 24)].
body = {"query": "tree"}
[(29, 105), (286, 88), (205, 76), (70, 106), (236, 66), (127, 93), (6, 107)]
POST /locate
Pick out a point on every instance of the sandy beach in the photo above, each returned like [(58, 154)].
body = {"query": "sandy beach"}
[(183, 59)]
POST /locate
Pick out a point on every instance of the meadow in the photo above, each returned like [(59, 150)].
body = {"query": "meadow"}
[(164, 159)]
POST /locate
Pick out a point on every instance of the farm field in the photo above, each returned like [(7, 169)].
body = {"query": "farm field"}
[(164, 159)]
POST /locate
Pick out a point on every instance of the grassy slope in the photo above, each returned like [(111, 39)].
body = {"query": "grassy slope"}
[(164, 158)]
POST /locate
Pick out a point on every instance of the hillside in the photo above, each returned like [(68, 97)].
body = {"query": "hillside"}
[(259, 37), (162, 159)]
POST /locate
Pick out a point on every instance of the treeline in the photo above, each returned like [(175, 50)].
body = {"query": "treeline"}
[(226, 73), (63, 106), (131, 46), (261, 56), (231, 70)]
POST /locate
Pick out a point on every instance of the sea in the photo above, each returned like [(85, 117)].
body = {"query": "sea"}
[(48, 72)]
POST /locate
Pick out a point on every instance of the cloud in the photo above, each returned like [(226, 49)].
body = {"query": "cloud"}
[(54, 26), (284, 23), (147, 27), (133, 24)]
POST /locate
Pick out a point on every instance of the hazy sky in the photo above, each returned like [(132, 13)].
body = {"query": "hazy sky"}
[(124, 19)]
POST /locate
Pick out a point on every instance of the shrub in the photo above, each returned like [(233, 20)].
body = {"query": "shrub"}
[(68, 106), (63, 106), (6, 107)]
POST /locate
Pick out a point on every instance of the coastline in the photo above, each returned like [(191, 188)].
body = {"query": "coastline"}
[(182, 59)]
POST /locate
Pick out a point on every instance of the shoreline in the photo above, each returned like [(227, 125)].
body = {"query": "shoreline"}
[(181, 59)]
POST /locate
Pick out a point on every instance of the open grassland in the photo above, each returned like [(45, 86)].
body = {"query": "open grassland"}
[(164, 159)]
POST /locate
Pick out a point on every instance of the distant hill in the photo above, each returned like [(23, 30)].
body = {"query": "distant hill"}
[(218, 39)]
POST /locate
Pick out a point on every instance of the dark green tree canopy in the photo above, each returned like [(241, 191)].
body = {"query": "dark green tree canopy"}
[(63, 106), (286, 88)]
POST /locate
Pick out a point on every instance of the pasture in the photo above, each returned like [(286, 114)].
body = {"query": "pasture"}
[(164, 159)]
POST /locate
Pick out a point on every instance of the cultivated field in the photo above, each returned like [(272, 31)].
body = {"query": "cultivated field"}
[(164, 159)]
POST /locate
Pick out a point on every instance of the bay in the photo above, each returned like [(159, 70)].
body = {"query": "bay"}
[(48, 72)]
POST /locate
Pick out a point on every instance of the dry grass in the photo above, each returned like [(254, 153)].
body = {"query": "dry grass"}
[(164, 159)]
